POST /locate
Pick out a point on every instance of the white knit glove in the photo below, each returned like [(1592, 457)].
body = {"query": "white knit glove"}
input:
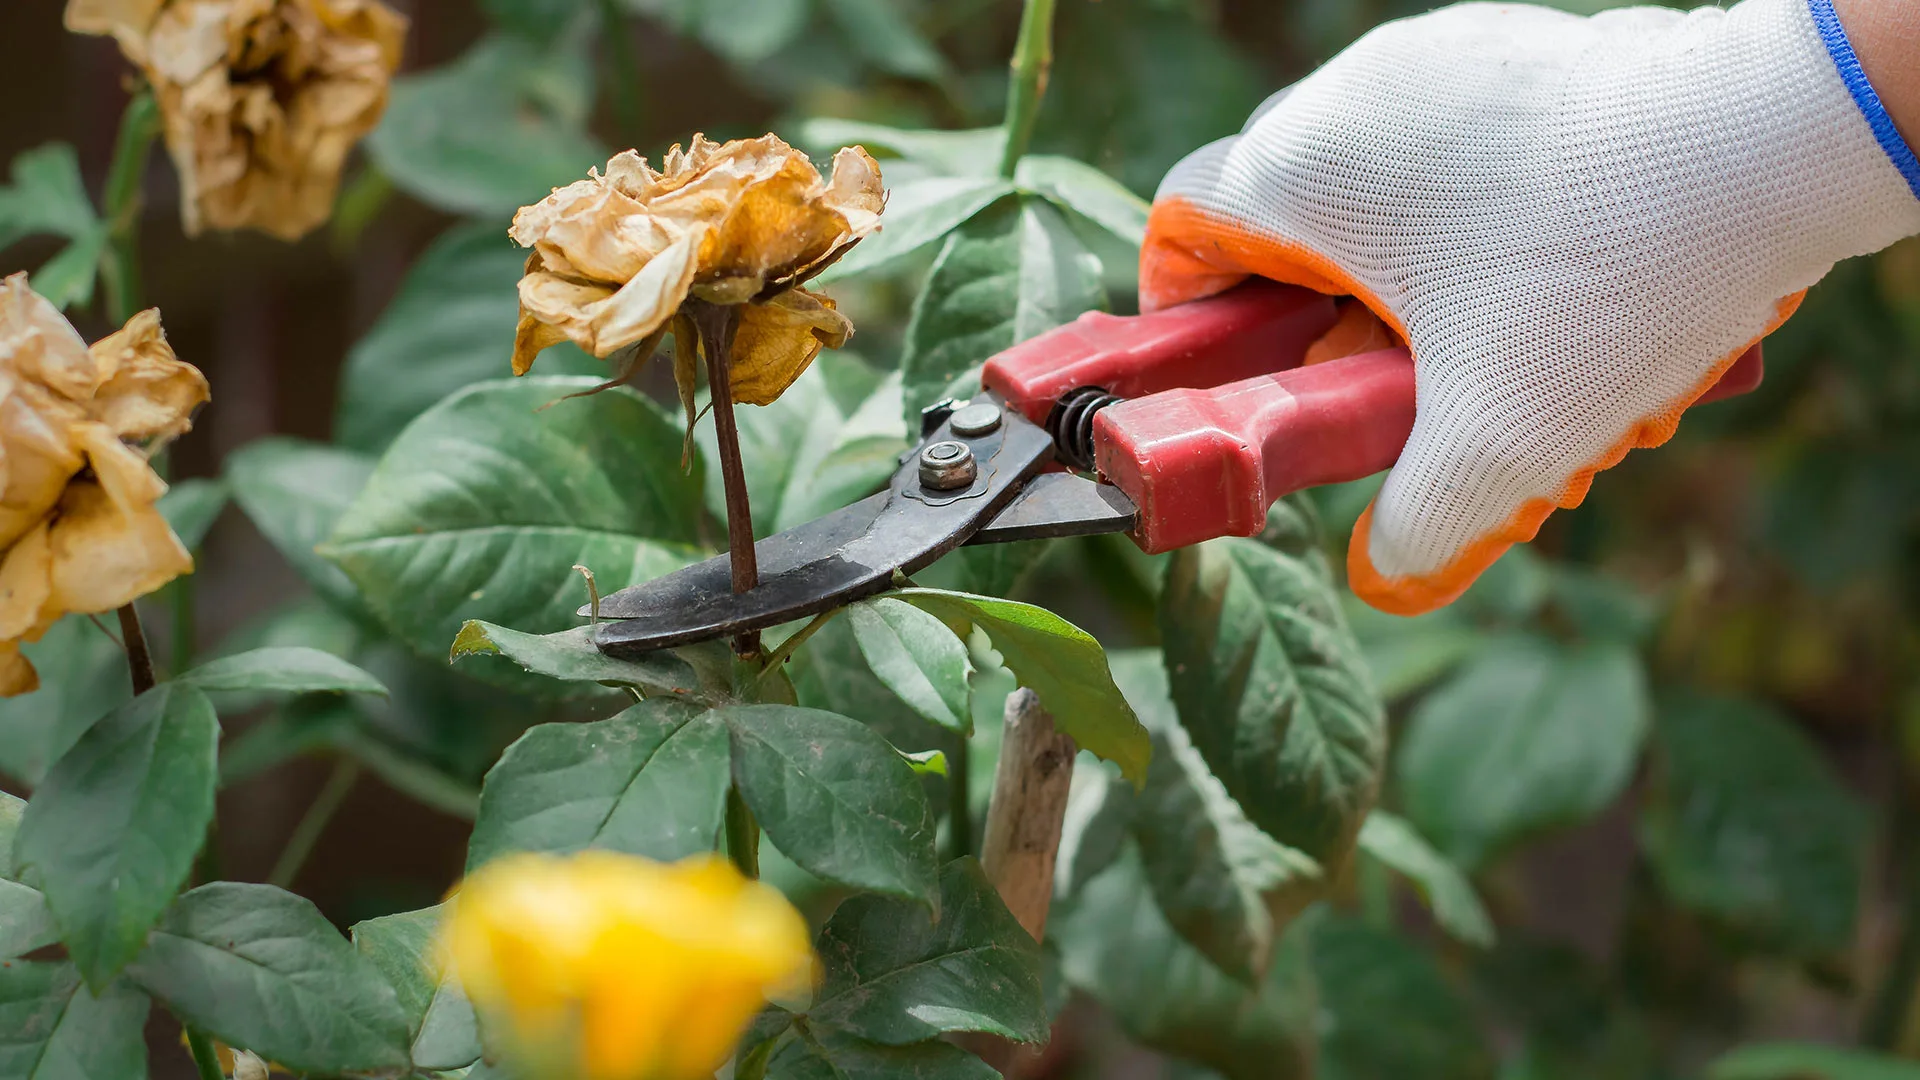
[(1575, 223)]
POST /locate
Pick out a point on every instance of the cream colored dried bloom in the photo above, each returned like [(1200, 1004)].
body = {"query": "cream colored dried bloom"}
[(262, 100), (744, 222), (78, 527)]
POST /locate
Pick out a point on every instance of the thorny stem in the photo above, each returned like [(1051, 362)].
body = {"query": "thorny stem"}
[(314, 822), (204, 1056), (139, 661), (743, 835), (716, 324), (1032, 57), (121, 271)]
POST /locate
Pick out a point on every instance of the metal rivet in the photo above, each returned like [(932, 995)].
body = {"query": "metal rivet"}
[(981, 418), (946, 466)]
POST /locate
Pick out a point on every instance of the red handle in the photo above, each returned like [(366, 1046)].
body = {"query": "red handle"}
[(1254, 328)]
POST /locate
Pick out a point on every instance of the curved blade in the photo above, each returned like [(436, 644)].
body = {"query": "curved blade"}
[(848, 554)]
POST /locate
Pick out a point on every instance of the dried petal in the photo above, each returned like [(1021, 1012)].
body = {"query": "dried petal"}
[(145, 391), (261, 101), (778, 339)]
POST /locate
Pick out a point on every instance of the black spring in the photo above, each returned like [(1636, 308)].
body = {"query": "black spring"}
[(1071, 424)]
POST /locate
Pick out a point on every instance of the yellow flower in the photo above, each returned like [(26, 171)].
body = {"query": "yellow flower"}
[(78, 527), (745, 222), (606, 966), (261, 100)]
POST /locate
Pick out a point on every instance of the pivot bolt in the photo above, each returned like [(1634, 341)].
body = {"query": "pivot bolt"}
[(947, 466), (981, 418)]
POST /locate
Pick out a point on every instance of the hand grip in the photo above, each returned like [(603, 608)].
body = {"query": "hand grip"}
[(1251, 329)]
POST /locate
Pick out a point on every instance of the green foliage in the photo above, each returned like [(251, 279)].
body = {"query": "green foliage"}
[(111, 834), (440, 1019), (913, 654), (570, 656), (53, 1028), (82, 677), (1809, 1061), (649, 781), (1394, 1013), (48, 196), (1271, 687), (261, 968), (1531, 735), (294, 493), (1750, 827), (287, 669), (1446, 890)]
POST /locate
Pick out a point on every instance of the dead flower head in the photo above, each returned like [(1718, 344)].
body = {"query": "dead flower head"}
[(78, 528), (616, 255), (262, 100)]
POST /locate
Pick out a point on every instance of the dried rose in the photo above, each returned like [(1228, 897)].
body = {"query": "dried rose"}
[(78, 527), (261, 100), (743, 223)]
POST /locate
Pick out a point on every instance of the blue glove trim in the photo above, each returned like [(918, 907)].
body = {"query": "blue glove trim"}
[(1863, 93)]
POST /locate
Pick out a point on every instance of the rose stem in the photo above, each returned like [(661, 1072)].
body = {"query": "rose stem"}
[(716, 323), (139, 662), (120, 269), (1027, 81)]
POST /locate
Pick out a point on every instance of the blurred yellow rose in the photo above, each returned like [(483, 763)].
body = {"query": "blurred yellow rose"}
[(606, 966), (741, 223), (262, 100), (78, 527)]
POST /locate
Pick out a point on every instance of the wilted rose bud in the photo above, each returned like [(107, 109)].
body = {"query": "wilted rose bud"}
[(78, 527), (744, 222), (261, 100), (603, 966)]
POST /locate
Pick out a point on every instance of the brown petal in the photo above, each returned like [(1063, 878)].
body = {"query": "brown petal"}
[(39, 456), (26, 583), (530, 338), (16, 673), (856, 191), (778, 339), (38, 344), (125, 20), (148, 392), (600, 319), (110, 545)]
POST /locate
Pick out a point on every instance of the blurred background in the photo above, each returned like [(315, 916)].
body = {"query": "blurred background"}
[(1760, 572)]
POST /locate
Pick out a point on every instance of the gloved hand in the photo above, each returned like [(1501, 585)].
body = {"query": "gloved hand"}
[(1576, 224)]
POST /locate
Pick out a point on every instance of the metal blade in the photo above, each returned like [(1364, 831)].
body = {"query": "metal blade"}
[(844, 556), (1060, 504)]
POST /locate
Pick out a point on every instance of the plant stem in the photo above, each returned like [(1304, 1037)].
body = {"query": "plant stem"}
[(307, 833), (121, 270), (743, 835), (716, 324), (139, 661), (798, 639), (959, 803), (1032, 57), (204, 1056)]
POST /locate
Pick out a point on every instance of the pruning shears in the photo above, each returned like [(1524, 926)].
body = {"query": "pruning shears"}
[(1174, 427)]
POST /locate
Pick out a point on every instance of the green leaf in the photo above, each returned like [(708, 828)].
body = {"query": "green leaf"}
[(83, 675), (259, 967), (925, 762), (1749, 825), (1117, 948), (494, 130), (1085, 190), (1809, 1061), (483, 506), (539, 20), (112, 833), (1530, 736), (651, 781), (52, 1028), (25, 924), (883, 37), (294, 492), (1060, 662), (440, 1019), (897, 975), (1446, 890), (975, 152), (917, 657), (835, 798), (450, 325), (1271, 685), (67, 279), (571, 655), (1099, 818), (830, 674), (1224, 885), (833, 1055), (1011, 272), (1390, 1013), (283, 669), (1407, 654), (12, 809), (47, 195), (920, 211), (191, 507)]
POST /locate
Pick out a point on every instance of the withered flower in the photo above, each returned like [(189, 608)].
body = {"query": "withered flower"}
[(261, 100), (615, 256), (78, 528)]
